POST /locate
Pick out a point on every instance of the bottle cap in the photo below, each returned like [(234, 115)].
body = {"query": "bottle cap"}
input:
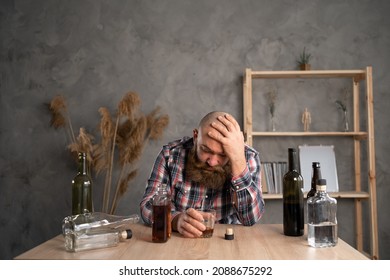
[(321, 185), (229, 235), (321, 182), (127, 234)]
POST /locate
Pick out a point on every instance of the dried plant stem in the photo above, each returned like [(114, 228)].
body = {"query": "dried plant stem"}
[(107, 186), (106, 190), (115, 199), (72, 136)]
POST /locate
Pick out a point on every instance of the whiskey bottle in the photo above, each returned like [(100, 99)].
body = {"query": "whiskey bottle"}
[(96, 240), (96, 222), (161, 223), (322, 218), (96, 230)]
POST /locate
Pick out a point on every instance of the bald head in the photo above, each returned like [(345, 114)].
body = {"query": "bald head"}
[(209, 150), (209, 118)]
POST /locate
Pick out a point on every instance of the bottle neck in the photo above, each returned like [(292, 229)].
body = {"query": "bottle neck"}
[(160, 191), (163, 189), (316, 175), (317, 171), (161, 196), (82, 164), (292, 160), (321, 188)]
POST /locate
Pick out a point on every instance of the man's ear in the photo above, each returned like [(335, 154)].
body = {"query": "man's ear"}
[(195, 134)]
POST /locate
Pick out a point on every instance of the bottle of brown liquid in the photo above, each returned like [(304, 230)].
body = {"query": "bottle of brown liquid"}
[(161, 226)]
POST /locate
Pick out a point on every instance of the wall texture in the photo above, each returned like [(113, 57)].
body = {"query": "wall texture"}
[(187, 57)]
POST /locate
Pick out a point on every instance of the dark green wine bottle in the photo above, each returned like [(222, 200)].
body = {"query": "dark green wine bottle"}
[(316, 174), (293, 218), (82, 189)]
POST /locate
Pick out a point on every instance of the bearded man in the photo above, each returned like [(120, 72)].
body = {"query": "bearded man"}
[(214, 169)]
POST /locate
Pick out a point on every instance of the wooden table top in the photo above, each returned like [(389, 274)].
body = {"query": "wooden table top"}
[(261, 241)]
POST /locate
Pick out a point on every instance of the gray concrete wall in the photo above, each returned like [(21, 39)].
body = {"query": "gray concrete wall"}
[(187, 57)]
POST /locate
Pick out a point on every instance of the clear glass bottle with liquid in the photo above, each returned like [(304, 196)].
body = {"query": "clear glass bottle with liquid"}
[(82, 201), (96, 230), (96, 222), (293, 206), (96, 240), (161, 223), (316, 174), (322, 218)]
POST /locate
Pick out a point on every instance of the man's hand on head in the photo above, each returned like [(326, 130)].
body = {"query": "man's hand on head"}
[(227, 131)]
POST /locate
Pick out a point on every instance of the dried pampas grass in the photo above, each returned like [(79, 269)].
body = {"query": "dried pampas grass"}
[(60, 117), (126, 134)]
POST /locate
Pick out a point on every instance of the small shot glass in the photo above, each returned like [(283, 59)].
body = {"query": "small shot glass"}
[(209, 216)]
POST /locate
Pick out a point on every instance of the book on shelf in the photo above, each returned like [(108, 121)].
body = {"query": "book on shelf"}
[(264, 185), (272, 176)]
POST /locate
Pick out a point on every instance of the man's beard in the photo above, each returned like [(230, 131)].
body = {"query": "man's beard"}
[(211, 177)]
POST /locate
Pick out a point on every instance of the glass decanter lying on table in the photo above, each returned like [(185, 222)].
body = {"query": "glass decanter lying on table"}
[(93, 230)]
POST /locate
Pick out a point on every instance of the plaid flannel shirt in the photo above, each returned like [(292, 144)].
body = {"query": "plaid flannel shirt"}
[(169, 168)]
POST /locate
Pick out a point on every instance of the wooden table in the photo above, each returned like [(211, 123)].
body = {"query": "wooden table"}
[(261, 241)]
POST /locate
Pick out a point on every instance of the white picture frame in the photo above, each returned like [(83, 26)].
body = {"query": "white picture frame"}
[(325, 155)]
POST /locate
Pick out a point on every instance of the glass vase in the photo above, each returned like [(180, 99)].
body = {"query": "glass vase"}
[(273, 128), (346, 125)]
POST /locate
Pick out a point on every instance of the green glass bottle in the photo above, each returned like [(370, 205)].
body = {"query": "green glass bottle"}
[(82, 189), (293, 206)]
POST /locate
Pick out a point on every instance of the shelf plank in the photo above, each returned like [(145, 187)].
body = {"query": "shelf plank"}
[(358, 134), (356, 74), (341, 195)]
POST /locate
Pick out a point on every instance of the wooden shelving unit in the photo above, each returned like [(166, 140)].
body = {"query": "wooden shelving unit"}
[(356, 134)]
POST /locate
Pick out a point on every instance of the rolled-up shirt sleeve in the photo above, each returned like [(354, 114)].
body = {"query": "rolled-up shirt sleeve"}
[(246, 190)]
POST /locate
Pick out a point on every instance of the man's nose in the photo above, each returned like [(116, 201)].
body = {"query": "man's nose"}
[(213, 160)]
